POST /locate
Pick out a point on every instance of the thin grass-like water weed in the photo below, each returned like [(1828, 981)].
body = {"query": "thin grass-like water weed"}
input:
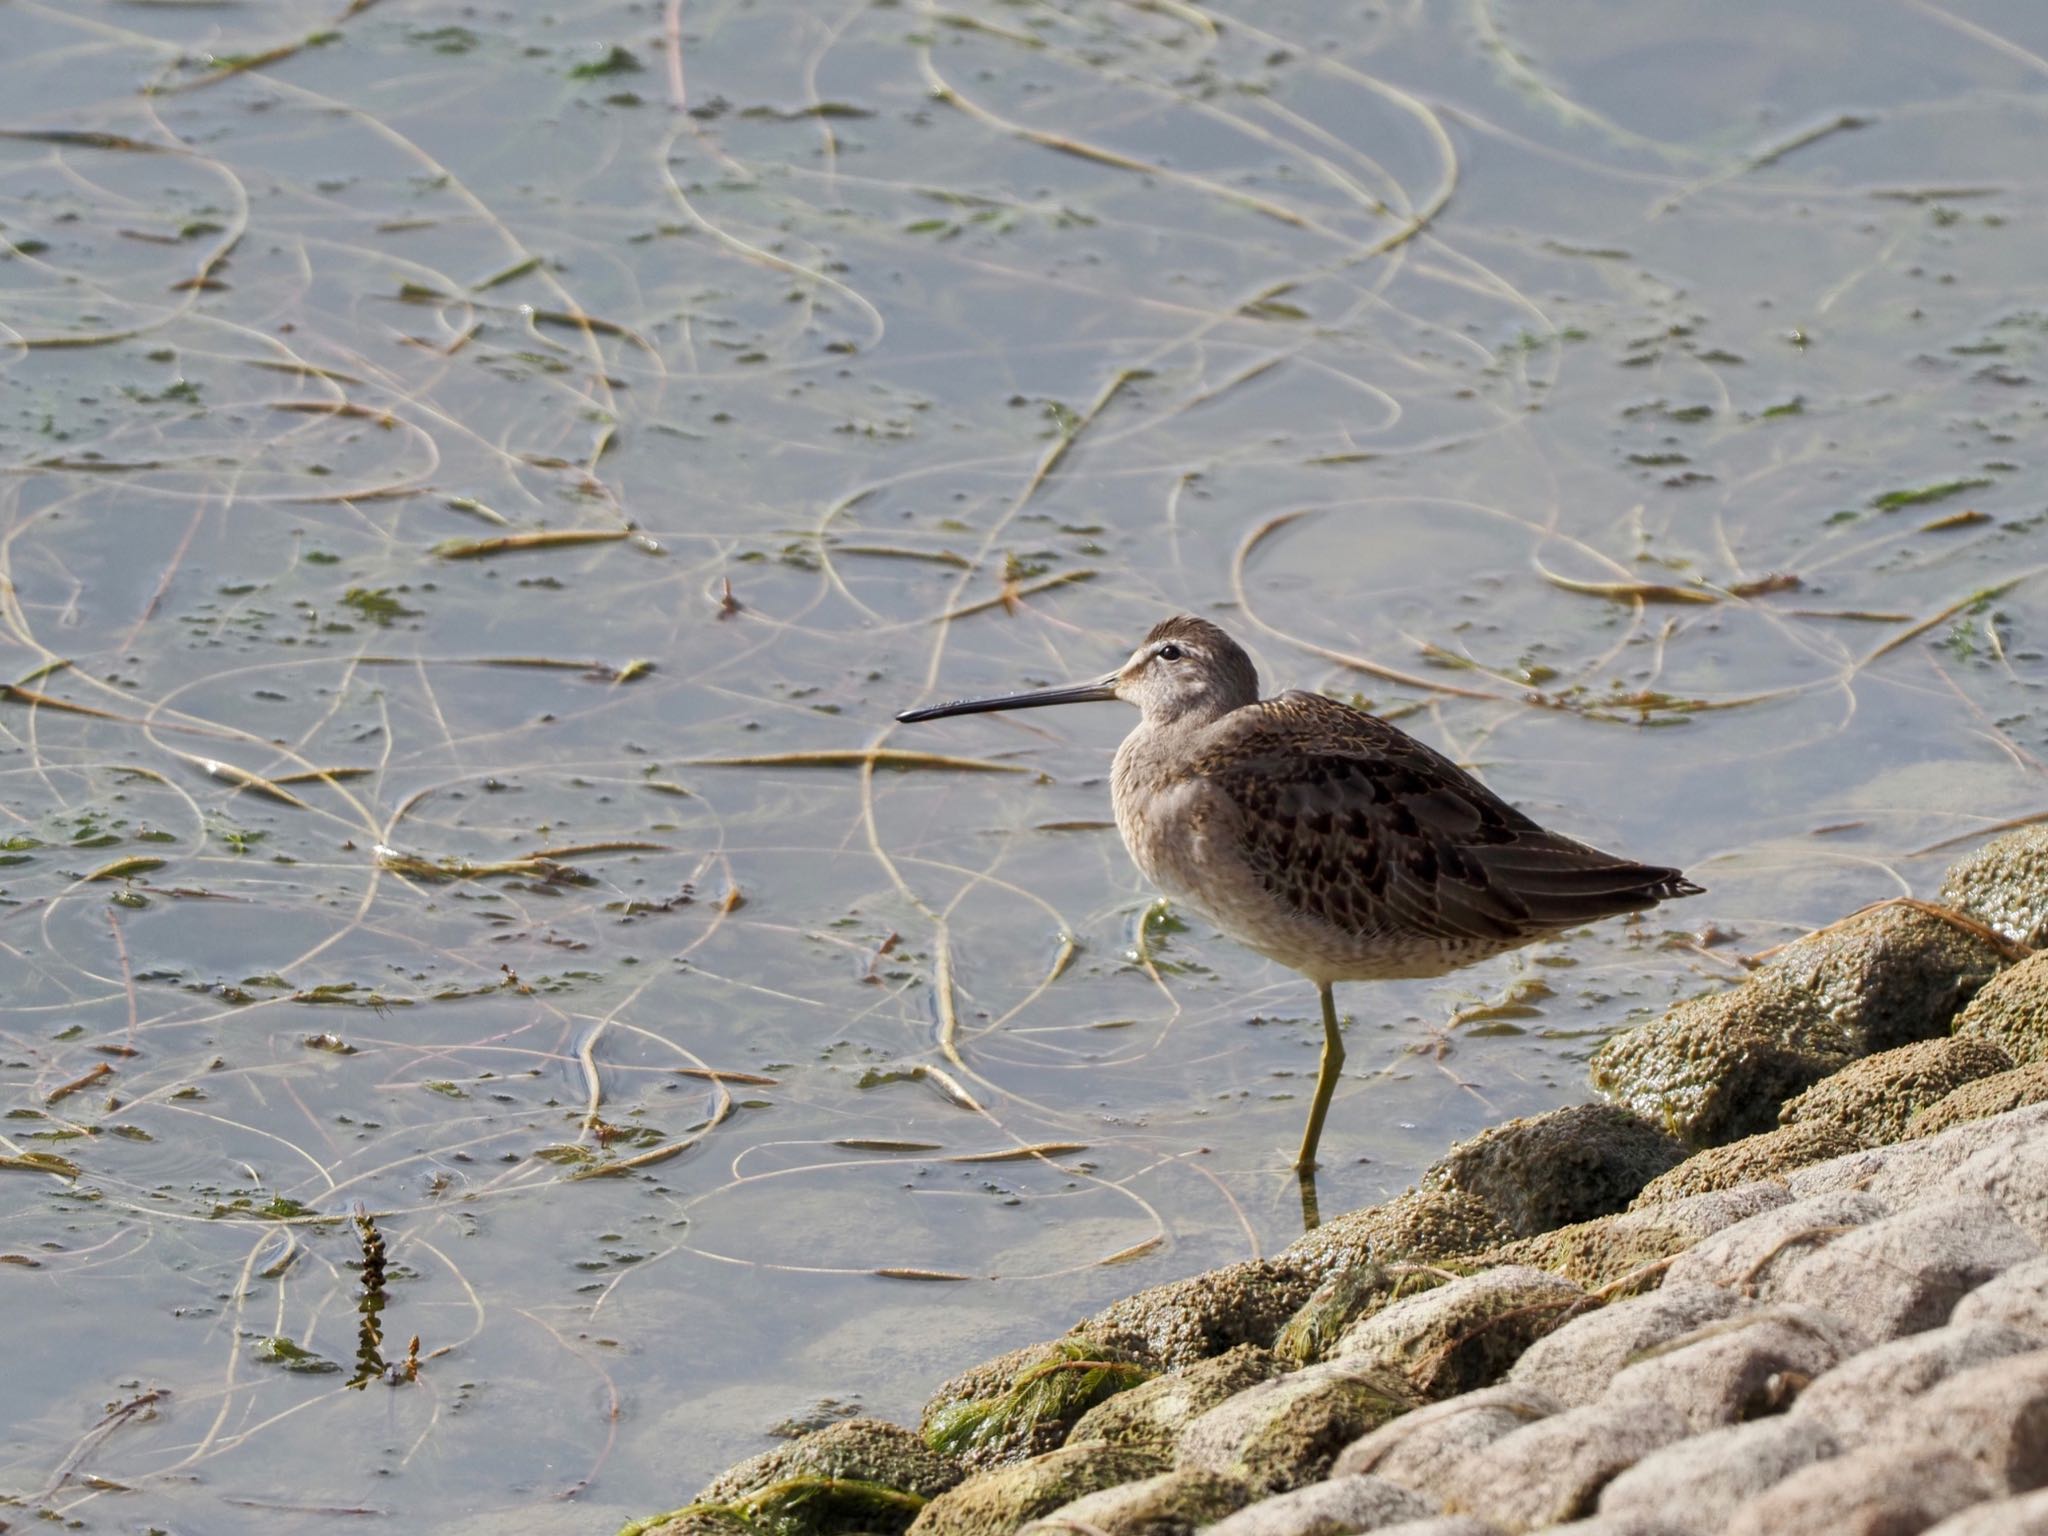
[(477, 487)]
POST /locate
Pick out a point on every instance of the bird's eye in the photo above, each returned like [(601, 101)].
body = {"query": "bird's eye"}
[(1169, 653)]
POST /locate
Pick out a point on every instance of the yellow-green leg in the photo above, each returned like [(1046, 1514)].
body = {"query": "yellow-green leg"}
[(1311, 1208), (1326, 1081)]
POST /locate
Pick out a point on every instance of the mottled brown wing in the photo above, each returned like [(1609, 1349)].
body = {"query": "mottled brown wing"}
[(1357, 824)]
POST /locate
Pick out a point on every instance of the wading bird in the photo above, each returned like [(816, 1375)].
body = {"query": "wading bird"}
[(1323, 837)]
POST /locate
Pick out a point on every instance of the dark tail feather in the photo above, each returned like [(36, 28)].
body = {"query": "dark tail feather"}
[(1575, 885), (1673, 885)]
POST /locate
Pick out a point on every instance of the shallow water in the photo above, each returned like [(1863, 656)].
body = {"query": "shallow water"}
[(1642, 402)]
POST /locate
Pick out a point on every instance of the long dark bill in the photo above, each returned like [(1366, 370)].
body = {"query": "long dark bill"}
[(1037, 698)]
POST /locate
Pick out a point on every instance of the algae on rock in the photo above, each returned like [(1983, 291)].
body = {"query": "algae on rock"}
[(694, 1520), (859, 1450), (804, 1505), (1168, 1504), (1347, 1295), (1713, 1068), (1440, 1291), (1151, 1415), (998, 1501), (1027, 1400), (862, 1475)]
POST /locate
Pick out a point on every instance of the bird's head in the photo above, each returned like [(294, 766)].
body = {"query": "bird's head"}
[(1186, 669)]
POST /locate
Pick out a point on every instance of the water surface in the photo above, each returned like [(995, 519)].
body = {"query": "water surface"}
[(478, 483)]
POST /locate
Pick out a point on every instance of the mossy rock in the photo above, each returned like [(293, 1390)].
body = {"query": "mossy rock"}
[(1285, 1433), (1027, 1401), (1872, 1099), (1986, 1097), (860, 1450), (1170, 1504), (1422, 1227), (803, 1505), (2012, 1012), (2004, 885), (1152, 1415), (696, 1520), (1602, 1253), (1717, 1068), (1550, 1170), (1712, 1069), (998, 1501), (1466, 1334), (1886, 976), (1347, 1295), (1183, 1321), (1766, 1155)]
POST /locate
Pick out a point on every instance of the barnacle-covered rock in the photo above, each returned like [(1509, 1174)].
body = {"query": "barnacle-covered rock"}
[(1872, 1099), (1203, 1315), (1766, 1155), (1718, 1067), (1422, 1226), (1551, 1170), (2004, 885), (2012, 1011)]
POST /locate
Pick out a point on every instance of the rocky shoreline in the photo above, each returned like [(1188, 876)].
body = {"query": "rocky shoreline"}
[(1790, 1278)]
